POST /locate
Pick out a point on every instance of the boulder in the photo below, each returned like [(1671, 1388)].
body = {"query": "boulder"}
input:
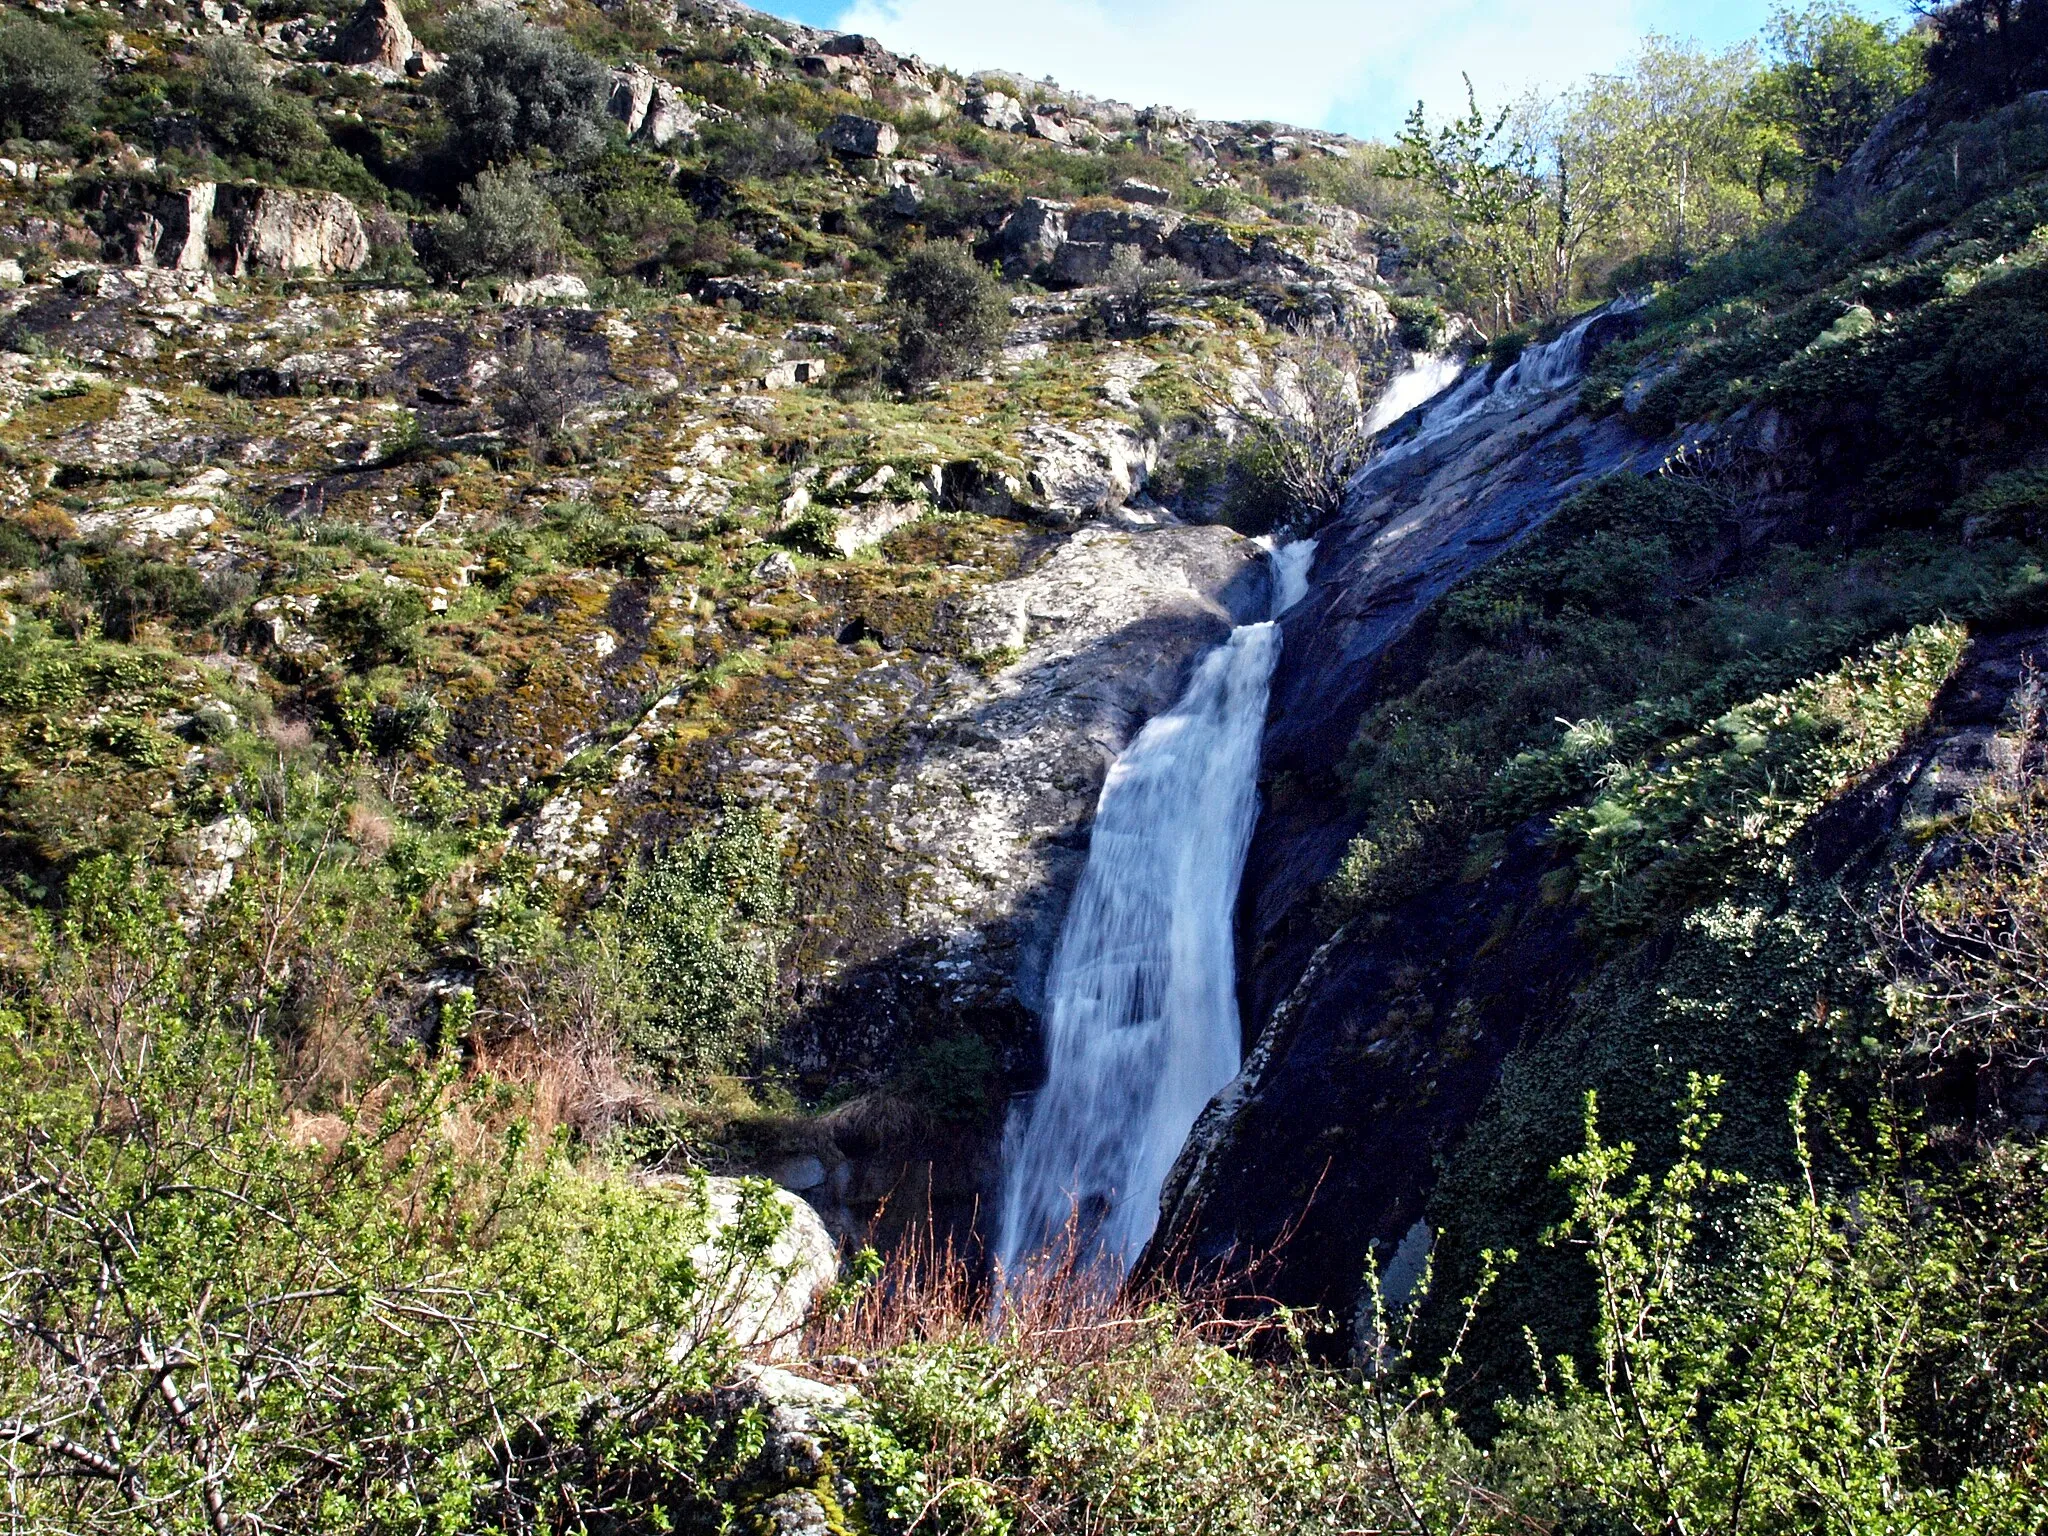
[(669, 117), (272, 229), (794, 374), (866, 51), (1133, 190), (761, 1302), (173, 233), (1080, 473), (650, 109), (905, 199), (870, 525), (554, 288), (632, 92), (1041, 125), (1149, 229), (1210, 249), (377, 41), (1032, 235), (859, 138), (994, 110)]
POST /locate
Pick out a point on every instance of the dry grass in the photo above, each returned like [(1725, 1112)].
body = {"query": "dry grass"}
[(1062, 1309)]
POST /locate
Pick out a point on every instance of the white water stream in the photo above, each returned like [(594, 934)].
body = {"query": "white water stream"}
[(1141, 1021)]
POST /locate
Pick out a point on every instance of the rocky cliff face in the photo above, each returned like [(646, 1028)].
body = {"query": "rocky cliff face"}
[(1369, 1052)]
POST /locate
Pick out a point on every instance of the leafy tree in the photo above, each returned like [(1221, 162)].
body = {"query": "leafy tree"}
[(1680, 141), (241, 112), (1837, 74), (544, 384), (1484, 175), (951, 314), (48, 84), (507, 224), (1989, 51), (510, 88)]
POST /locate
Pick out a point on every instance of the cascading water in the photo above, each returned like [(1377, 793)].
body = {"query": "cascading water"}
[(1540, 370), (1141, 1023)]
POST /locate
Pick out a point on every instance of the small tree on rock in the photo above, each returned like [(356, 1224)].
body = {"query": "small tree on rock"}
[(1310, 419)]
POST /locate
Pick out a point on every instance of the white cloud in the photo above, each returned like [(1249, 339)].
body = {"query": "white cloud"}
[(1319, 63)]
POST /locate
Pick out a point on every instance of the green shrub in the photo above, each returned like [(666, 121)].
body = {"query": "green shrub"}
[(1666, 836), (814, 531), (953, 1080), (373, 623), (761, 149), (507, 226), (399, 1318), (510, 88), (951, 314), (239, 111), (48, 84), (706, 916)]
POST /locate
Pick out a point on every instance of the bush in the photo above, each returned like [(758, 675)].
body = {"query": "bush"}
[(510, 88), (705, 917), (1133, 287), (545, 382), (507, 226), (399, 1320), (372, 623), (48, 84), (760, 149), (240, 111), (951, 314)]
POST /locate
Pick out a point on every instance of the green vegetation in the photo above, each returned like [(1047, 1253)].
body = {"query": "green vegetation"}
[(506, 226), (46, 81), (703, 918), (510, 88), (951, 314), (1683, 153)]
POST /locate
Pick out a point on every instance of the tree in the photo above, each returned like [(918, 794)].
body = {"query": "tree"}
[(1988, 51), (1312, 423), (1837, 74), (242, 113), (1484, 175), (951, 314), (507, 225), (48, 84), (1676, 127), (510, 88)]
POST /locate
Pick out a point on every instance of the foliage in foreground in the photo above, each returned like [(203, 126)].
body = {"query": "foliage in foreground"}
[(400, 1317)]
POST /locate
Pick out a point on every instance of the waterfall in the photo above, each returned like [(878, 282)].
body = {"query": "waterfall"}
[(1540, 370), (1141, 1022)]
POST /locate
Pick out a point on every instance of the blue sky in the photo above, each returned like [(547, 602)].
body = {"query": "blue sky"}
[(1353, 65)]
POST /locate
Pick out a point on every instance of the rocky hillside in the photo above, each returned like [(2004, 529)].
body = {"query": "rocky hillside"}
[(1621, 720), (557, 522)]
